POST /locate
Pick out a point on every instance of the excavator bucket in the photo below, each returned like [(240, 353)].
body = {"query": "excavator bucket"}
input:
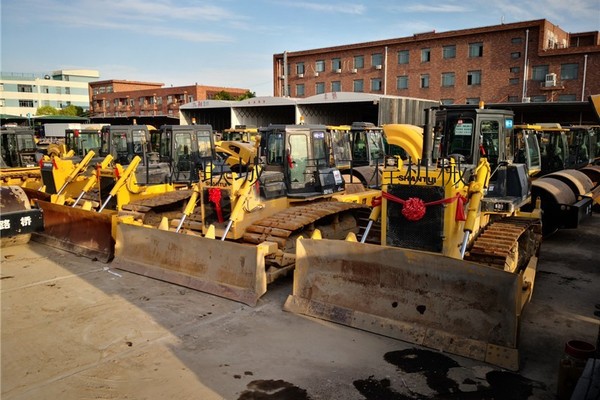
[(419, 297), (226, 269), (83, 232)]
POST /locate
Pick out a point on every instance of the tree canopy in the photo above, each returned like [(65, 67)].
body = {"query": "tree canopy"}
[(71, 110), (225, 95)]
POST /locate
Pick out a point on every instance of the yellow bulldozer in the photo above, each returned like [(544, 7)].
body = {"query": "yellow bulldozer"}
[(238, 232), (456, 261), (81, 203)]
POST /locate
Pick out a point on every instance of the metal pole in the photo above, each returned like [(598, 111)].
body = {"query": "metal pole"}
[(585, 57), (525, 66)]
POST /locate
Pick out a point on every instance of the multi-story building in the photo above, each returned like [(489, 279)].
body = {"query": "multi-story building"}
[(122, 98), (518, 62), (23, 93)]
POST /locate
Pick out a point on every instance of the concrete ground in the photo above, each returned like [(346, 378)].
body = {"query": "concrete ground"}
[(76, 329)]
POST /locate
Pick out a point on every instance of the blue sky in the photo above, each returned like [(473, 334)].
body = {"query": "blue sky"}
[(231, 42)]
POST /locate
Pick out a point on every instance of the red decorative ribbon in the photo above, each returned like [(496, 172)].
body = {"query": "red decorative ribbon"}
[(214, 196), (414, 208)]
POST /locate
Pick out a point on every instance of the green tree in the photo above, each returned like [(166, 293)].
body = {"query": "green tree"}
[(247, 95), (223, 95), (46, 110), (71, 110)]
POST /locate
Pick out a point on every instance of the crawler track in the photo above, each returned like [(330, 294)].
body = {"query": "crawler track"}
[(507, 243), (279, 227)]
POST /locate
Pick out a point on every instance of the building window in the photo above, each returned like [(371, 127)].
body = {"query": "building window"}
[(515, 70), (425, 81), (300, 90), (403, 57), (109, 89), (472, 100), (539, 72), (538, 99), (299, 68), (320, 87), (25, 103), (359, 62), (567, 97), (516, 40), (515, 55), (336, 86), (320, 66), (402, 82), (473, 78), (425, 55), (513, 99), (336, 64), (358, 85), (68, 90), (447, 101), (476, 49), (24, 88), (449, 51), (376, 85), (513, 81), (448, 79), (376, 59), (141, 101), (568, 71)]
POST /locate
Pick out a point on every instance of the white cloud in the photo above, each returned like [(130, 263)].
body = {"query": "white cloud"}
[(340, 8), (436, 8)]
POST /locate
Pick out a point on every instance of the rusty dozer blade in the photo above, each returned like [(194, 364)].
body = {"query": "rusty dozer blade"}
[(424, 298), (83, 232), (226, 269)]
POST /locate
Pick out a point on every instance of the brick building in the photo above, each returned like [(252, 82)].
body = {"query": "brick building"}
[(532, 61), (122, 98)]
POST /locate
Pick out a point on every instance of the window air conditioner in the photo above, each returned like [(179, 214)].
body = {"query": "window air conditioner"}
[(550, 80), (354, 70), (378, 66), (526, 99), (300, 75), (338, 71), (316, 74)]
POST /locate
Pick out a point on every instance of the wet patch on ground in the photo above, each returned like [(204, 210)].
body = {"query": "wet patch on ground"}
[(435, 367), (273, 390)]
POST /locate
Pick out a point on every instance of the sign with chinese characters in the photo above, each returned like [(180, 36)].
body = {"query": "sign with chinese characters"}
[(21, 222)]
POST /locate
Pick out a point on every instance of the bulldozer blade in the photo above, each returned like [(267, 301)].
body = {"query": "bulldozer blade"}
[(424, 298), (83, 232), (226, 269)]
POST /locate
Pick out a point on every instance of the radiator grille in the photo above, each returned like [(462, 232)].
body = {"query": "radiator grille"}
[(425, 234)]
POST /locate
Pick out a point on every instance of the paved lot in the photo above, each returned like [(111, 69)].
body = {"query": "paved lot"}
[(76, 329)]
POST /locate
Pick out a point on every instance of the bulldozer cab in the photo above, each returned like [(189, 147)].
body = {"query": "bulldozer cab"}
[(554, 147), (81, 141), (240, 133), (124, 142), (188, 149), (301, 154), (340, 146), (470, 134), (582, 146), (18, 147), (368, 146), (527, 149)]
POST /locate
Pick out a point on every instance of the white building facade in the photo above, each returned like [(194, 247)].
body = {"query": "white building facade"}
[(23, 93)]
